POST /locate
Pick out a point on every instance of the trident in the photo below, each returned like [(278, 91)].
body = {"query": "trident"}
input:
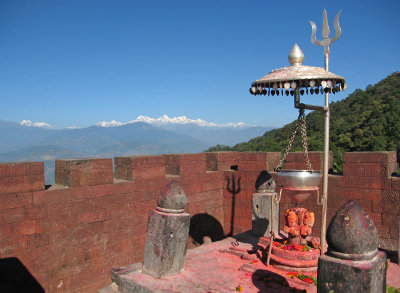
[(325, 34), (325, 42)]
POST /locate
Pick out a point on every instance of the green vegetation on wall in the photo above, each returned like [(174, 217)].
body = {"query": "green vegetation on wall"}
[(367, 120)]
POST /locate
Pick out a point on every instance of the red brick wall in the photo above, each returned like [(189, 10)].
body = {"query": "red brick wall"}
[(70, 235)]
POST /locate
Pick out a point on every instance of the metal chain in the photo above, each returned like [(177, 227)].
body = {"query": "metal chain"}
[(303, 130), (283, 158), (300, 124)]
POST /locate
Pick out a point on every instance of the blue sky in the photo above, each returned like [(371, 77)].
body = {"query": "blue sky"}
[(78, 62)]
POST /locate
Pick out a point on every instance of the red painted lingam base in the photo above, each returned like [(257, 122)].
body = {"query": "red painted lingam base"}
[(298, 251)]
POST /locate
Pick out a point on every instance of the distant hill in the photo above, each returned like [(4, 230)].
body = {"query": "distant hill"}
[(367, 120), (14, 136), (217, 135), (27, 143)]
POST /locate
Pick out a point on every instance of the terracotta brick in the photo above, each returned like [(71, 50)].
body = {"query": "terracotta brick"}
[(392, 196), (316, 158), (6, 232), (193, 163), (272, 159), (369, 157), (26, 227), (396, 183), (37, 240), (156, 164), (77, 232), (390, 208), (12, 215), (212, 161), (388, 244), (21, 169), (369, 169), (59, 195), (172, 164), (363, 182), (361, 193), (248, 156), (119, 223), (376, 218), (35, 212), (228, 156), (390, 220), (83, 172), (377, 206), (26, 183), (63, 255), (252, 166), (394, 232), (334, 181), (91, 217), (14, 245)]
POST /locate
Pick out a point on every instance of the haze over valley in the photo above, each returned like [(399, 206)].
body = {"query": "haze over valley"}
[(39, 141)]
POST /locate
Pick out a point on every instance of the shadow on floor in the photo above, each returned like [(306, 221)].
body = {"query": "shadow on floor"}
[(202, 225), (267, 281), (15, 278)]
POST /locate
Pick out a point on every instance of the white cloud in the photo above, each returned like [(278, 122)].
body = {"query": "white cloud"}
[(167, 120), (36, 124)]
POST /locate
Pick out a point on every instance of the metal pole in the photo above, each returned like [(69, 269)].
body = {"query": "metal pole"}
[(325, 43), (325, 173)]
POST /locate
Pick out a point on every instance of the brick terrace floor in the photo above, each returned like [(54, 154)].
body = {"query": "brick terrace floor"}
[(222, 266)]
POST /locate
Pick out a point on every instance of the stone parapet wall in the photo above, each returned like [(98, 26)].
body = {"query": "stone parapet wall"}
[(94, 218), (70, 235)]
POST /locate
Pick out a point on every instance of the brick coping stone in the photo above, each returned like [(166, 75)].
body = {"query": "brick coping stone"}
[(209, 269)]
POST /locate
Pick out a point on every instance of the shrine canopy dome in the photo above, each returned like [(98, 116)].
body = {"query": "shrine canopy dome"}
[(308, 79)]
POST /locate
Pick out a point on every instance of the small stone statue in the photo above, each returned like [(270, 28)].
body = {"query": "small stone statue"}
[(299, 222)]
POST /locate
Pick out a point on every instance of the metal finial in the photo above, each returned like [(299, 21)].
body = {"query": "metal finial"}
[(325, 32), (296, 56)]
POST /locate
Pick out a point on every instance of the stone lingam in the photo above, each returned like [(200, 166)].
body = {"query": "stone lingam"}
[(353, 262)]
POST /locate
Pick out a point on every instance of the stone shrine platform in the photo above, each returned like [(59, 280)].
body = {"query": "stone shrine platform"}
[(221, 266)]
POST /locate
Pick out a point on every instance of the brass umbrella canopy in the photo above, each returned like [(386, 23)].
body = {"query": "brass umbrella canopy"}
[(298, 80)]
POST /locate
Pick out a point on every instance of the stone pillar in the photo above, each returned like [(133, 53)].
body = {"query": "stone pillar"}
[(167, 233), (261, 206), (353, 262)]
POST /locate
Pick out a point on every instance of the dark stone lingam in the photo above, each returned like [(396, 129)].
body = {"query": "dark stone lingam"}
[(167, 233), (353, 262)]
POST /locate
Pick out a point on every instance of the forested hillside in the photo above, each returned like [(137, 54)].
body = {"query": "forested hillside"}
[(367, 120)]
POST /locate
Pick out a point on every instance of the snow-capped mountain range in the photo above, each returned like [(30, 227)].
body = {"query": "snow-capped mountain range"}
[(40, 141), (164, 119), (160, 121)]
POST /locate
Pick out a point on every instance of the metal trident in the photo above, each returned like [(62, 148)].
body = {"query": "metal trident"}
[(325, 34)]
